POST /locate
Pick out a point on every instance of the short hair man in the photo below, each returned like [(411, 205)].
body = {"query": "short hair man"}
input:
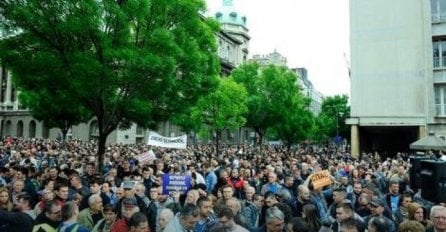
[(50, 218), (226, 221), (438, 217), (138, 223), (70, 213), (185, 220)]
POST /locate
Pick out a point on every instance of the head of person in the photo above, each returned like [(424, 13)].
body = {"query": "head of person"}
[(234, 173), (339, 194), (5, 196), (165, 217), (411, 226), (344, 211), (53, 211), (18, 186), (274, 219), (272, 177), (298, 224), (192, 196), (189, 216), (415, 212), (405, 200), (357, 187), (378, 224), (270, 199), (129, 188), (95, 203), (351, 225), (303, 192), (309, 212), (438, 217), (226, 217), (129, 207), (110, 213), (258, 200), (250, 192), (24, 202), (394, 187), (228, 192), (234, 205), (70, 211), (205, 206), (377, 206), (61, 190), (95, 185), (120, 193), (139, 223)]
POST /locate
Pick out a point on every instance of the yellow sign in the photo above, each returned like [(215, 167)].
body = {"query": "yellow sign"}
[(321, 179)]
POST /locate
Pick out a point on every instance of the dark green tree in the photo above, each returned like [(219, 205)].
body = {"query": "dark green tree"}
[(331, 121), (124, 61), (223, 109), (55, 110)]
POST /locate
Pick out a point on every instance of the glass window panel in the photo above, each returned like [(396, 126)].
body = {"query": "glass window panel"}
[(438, 109), (437, 96), (442, 7), (434, 6)]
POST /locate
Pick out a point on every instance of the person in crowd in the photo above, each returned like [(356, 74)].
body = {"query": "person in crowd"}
[(138, 223), (237, 183), (22, 220), (272, 185), (184, 220), (226, 222), (274, 221), (88, 217), (377, 206), (210, 177), (411, 226), (107, 189), (252, 212), (105, 224), (297, 224), (165, 217), (61, 190), (6, 200), (339, 196), (228, 193), (70, 213), (154, 207), (309, 214), (344, 212), (393, 197), (206, 218), (378, 224), (402, 212), (49, 219), (129, 207), (416, 212), (438, 217), (77, 186)]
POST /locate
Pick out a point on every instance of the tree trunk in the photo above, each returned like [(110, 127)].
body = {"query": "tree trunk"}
[(217, 143), (101, 151)]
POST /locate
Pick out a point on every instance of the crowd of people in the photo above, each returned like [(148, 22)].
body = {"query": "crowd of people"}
[(50, 186)]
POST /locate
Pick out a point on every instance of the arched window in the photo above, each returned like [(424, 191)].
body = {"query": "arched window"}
[(32, 129), (20, 128)]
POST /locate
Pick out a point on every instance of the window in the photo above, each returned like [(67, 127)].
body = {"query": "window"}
[(440, 100), (438, 9), (439, 53)]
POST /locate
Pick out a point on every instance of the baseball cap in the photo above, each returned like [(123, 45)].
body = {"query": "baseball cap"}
[(128, 184), (129, 202)]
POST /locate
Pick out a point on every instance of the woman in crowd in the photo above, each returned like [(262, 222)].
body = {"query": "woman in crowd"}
[(309, 214), (418, 213), (5, 200)]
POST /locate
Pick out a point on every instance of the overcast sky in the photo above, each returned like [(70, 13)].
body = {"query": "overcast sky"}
[(313, 34)]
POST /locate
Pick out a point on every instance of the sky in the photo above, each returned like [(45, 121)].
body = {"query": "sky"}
[(313, 34)]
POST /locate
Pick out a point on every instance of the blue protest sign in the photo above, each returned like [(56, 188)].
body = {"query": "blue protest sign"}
[(179, 183)]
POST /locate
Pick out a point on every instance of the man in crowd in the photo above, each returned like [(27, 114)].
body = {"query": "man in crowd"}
[(206, 218), (49, 219), (185, 220), (88, 217)]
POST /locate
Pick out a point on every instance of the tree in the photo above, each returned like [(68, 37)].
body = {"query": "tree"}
[(124, 61), (296, 123), (223, 109), (331, 120), (272, 94), (56, 111)]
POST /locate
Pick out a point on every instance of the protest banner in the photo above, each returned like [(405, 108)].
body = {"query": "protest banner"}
[(178, 183), (156, 139), (321, 179), (146, 157)]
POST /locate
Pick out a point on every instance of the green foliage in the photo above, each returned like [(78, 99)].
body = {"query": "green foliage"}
[(123, 61), (334, 111), (276, 105)]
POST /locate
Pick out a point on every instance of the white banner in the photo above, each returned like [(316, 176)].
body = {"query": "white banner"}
[(156, 139)]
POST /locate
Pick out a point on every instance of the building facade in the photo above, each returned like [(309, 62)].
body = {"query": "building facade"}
[(398, 73), (233, 44)]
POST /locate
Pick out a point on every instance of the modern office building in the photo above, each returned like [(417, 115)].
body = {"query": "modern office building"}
[(233, 43), (398, 73)]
